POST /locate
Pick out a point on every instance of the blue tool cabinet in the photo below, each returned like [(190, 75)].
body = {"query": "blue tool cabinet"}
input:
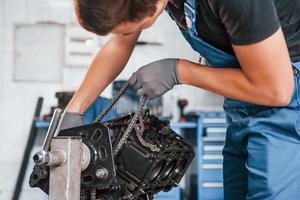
[(210, 128), (211, 132), (173, 194)]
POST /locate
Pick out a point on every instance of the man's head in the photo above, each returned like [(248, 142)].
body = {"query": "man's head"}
[(118, 16)]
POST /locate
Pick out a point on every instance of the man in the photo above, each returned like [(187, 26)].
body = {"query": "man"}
[(252, 49)]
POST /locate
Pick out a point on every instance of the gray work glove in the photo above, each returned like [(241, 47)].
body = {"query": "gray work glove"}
[(156, 78), (69, 120)]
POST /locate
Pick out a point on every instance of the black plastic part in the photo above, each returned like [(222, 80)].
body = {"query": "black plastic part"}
[(40, 178)]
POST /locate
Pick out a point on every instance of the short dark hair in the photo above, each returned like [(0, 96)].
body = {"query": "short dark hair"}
[(102, 16)]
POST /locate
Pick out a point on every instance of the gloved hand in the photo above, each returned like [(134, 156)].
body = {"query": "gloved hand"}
[(156, 78), (69, 120)]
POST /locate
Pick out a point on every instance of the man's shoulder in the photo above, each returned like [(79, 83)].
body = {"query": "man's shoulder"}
[(218, 3), (221, 6)]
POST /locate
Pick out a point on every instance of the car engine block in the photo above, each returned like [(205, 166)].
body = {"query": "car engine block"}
[(153, 158)]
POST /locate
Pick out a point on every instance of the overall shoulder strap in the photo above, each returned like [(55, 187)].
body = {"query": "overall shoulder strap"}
[(190, 7), (192, 3)]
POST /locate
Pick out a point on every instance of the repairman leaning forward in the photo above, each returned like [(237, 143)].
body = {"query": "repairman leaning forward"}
[(252, 48)]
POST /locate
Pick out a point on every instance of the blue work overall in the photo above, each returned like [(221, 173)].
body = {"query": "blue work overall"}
[(262, 148)]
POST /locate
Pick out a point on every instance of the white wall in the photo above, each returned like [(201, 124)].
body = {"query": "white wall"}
[(18, 99)]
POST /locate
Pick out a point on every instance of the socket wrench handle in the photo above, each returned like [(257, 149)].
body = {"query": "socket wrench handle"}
[(52, 128), (43, 156)]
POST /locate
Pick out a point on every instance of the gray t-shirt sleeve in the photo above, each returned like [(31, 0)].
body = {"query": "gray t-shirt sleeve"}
[(247, 21)]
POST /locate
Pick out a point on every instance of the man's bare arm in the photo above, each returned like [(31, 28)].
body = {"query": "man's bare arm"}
[(106, 66), (266, 76)]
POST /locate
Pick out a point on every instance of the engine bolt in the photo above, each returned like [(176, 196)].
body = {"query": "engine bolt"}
[(101, 173)]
